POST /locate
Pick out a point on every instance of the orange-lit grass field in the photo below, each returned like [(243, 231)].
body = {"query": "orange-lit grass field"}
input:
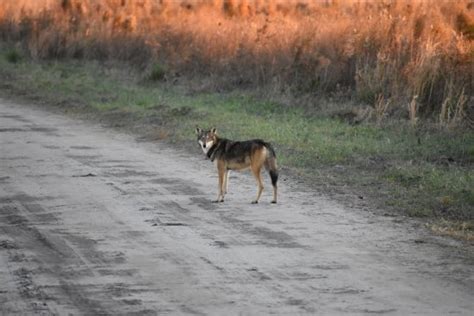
[(412, 59)]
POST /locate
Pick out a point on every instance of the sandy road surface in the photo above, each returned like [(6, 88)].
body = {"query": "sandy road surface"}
[(93, 222)]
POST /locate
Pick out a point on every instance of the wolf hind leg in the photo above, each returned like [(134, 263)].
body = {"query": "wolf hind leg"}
[(271, 167), (274, 177), (257, 174)]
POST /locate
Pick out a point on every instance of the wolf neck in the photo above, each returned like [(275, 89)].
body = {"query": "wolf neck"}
[(211, 154)]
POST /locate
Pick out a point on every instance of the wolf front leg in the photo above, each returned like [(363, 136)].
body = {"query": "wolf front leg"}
[(221, 171), (226, 181)]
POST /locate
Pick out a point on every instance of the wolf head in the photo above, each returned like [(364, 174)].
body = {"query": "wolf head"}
[(206, 138)]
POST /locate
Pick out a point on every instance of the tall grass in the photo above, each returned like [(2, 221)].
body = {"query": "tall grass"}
[(407, 58)]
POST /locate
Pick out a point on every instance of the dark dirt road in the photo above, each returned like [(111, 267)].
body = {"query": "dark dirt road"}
[(93, 222)]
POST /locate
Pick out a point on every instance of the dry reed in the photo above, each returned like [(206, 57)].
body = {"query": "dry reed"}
[(376, 50)]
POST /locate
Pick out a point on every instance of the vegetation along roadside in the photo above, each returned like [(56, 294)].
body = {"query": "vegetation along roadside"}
[(423, 171)]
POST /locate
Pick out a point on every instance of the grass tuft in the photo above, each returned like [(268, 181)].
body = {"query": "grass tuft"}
[(455, 229), (13, 56), (157, 73)]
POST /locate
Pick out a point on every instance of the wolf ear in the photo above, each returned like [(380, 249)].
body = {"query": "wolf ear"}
[(198, 130), (214, 130)]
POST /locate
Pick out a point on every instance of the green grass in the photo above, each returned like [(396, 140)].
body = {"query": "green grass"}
[(442, 192), (12, 56), (157, 73), (419, 172)]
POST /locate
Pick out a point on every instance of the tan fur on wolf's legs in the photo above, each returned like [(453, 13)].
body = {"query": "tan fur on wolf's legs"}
[(274, 194), (226, 182), (258, 177), (222, 172)]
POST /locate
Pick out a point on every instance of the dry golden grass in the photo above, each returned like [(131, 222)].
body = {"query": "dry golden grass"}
[(384, 53), (463, 230)]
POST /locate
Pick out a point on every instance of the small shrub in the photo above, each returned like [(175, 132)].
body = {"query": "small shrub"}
[(157, 73), (420, 212), (12, 56)]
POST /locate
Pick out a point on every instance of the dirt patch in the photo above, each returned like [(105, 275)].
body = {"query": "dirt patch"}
[(51, 146), (23, 198), (82, 147), (84, 158), (12, 130), (130, 173), (43, 129), (204, 203), (175, 207), (8, 244), (264, 235), (15, 117)]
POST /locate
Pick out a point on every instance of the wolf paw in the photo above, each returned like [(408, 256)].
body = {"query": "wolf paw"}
[(255, 202), (274, 202)]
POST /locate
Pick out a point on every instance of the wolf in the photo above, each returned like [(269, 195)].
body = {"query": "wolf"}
[(239, 155)]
